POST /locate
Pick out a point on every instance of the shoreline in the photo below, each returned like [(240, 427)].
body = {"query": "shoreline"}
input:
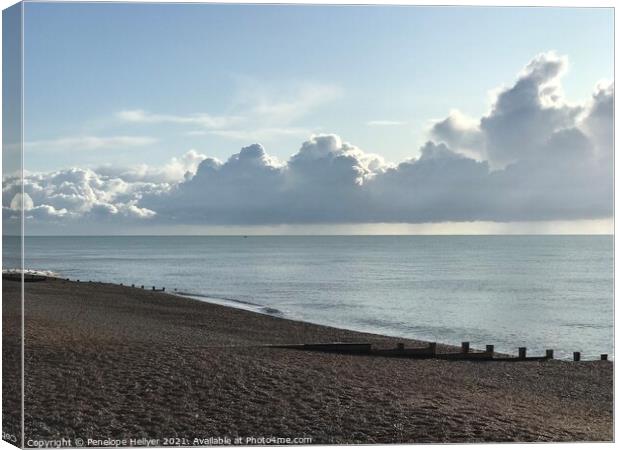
[(104, 360), (241, 305), (237, 304), (265, 310), (275, 312)]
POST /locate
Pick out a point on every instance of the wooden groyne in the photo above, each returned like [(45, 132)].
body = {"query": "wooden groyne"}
[(428, 352), (152, 289)]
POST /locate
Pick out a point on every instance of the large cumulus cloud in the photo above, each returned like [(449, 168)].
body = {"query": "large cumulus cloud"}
[(108, 193), (526, 117), (75, 194), (533, 156)]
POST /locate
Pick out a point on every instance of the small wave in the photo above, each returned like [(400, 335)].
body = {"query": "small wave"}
[(233, 303), (594, 326), (45, 273), (271, 311), (218, 297)]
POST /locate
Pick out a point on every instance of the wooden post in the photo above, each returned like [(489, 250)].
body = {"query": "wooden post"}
[(490, 349), (576, 356), (400, 346), (522, 352), (432, 347), (549, 354), (465, 347), (604, 357)]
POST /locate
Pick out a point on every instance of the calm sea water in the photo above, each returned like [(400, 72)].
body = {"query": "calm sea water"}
[(534, 291)]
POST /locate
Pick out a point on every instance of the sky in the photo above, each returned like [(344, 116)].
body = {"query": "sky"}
[(136, 116)]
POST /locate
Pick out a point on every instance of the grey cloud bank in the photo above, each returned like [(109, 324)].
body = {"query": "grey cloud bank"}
[(532, 157)]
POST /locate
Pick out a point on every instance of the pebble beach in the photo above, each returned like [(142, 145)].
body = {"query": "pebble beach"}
[(138, 367)]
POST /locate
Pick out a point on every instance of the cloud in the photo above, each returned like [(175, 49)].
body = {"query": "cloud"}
[(203, 120), (260, 134), (176, 170), (522, 119), (283, 104), (90, 143), (598, 123), (384, 123), (525, 115), (259, 112), (532, 157), (75, 194), (460, 131)]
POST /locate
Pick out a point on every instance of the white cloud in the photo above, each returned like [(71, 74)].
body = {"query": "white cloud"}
[(598, 123), (384, 123), (177, 169), (90, 143), (259, 112), (20, 201), (522, 119), (538, 158), (203, 120), (260, 134), (282, 104), (461, 132), (76, 194)]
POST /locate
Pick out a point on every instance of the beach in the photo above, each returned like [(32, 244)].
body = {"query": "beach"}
[(104, 361)]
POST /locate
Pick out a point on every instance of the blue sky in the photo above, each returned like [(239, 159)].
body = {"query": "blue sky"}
[(323, 69), (190, 118)]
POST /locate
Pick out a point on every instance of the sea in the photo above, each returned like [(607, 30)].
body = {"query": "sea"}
[(539, 292)]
